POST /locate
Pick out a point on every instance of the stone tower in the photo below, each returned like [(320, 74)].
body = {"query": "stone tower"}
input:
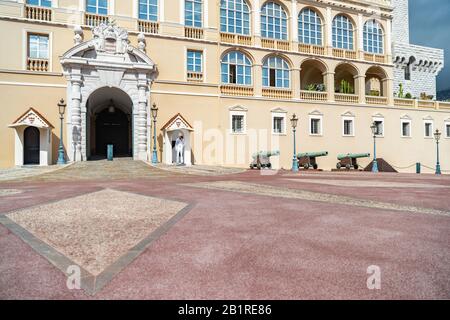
[(416, 67)]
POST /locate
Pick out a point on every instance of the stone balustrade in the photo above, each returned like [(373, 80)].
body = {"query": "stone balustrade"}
[(38, 13), (40, 65), (313, 95), (277, 93), (194, 33), (376, 100), (275, 44), (344, 54), (236, 39), (195, 76), (374, 57), (94, 20), (236, 90), (311, 49), (346, 98), (148, 27)]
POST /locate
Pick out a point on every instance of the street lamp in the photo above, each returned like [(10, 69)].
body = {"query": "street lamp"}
[(61, 110), (374, 132), (437, 136), (154, 110), (294, 121)]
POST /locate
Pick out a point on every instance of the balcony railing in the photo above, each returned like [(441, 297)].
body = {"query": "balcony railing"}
[(38, 13), (376, 100), (195, 76), (341, 53), (374, 58), (275, 44), (310, 49), (148, 27), (347, 98), (313, 95), (400, 102), (236, 90), (40, 65), (444, 105), (194, 33), (236, 39), (426, 104), (277, 93), (94, 20)]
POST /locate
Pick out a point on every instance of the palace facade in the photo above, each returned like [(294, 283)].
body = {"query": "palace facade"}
[(227, 75)]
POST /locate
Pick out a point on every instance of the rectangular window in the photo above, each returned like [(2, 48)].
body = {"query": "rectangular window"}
[(148, 10), (237, 123), (40, 3), (348, 127), (278, 125), (38, 46), (428, 129), (193, 13), (406, 128), (447, 130), (379, 127), (97, 6), (315, 126), (194, 61)]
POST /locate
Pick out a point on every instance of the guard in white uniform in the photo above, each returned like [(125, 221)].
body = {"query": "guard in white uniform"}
[(179, 148)]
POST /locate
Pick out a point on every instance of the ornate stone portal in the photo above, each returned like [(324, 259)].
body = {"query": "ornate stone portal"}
[(107, 60)]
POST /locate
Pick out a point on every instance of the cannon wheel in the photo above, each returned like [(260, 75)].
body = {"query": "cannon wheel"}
[(348, 166), (315, 166), (356, 167), (306, 166), (269, 166), (338, 165)]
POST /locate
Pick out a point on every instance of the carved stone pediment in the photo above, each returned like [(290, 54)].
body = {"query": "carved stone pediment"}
[(32, 118), (110, 38), (176, 123)]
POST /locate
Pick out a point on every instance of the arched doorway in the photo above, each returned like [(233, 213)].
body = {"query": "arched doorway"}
[(109, 122), (31, 145)]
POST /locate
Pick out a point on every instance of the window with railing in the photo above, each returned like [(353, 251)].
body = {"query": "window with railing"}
[(194, 65), (309, 27), (40, 3), (373, 37), (236, 68), (276, 73), (193, 13), (38, 10), (148, 10), (343, 33), (273, 21), (234, 17), (38, 52)]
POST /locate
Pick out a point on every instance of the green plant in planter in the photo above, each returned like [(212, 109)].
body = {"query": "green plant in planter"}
[(346, 87), (315, 87), (400, 91), (311, 87), (408, 96), (374, 93)]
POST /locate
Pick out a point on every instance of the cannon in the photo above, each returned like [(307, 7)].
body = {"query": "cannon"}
[(308, 159), (349, 161), (261, 159)]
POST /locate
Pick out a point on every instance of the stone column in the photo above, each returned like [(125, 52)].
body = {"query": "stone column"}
[(360, 86), (141, 123), (388, 41), (294, 23), (388, 92), (329, 32), (296, 85), (329, 85), (360, 37), (257, 81), (76, 116), (257, 22)]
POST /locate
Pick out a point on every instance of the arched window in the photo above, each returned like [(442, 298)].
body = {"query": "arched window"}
[(97, 6), (40, 3), (236, 68), (342, 33), (273, 21), (193, 13), (275, 73), (234, 16), (373, 37), (148, 10), (309, 27)]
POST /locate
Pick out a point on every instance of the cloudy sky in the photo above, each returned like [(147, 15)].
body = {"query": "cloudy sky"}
[(430, 26)]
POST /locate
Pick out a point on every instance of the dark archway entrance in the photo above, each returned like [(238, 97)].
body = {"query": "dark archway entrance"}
[(109, 121), (112, 126), (31, 146)]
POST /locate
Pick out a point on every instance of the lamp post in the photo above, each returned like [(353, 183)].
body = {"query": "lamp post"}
[(154, 111), (294, 121), (61, 109), (437, 136), (374, 132)]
